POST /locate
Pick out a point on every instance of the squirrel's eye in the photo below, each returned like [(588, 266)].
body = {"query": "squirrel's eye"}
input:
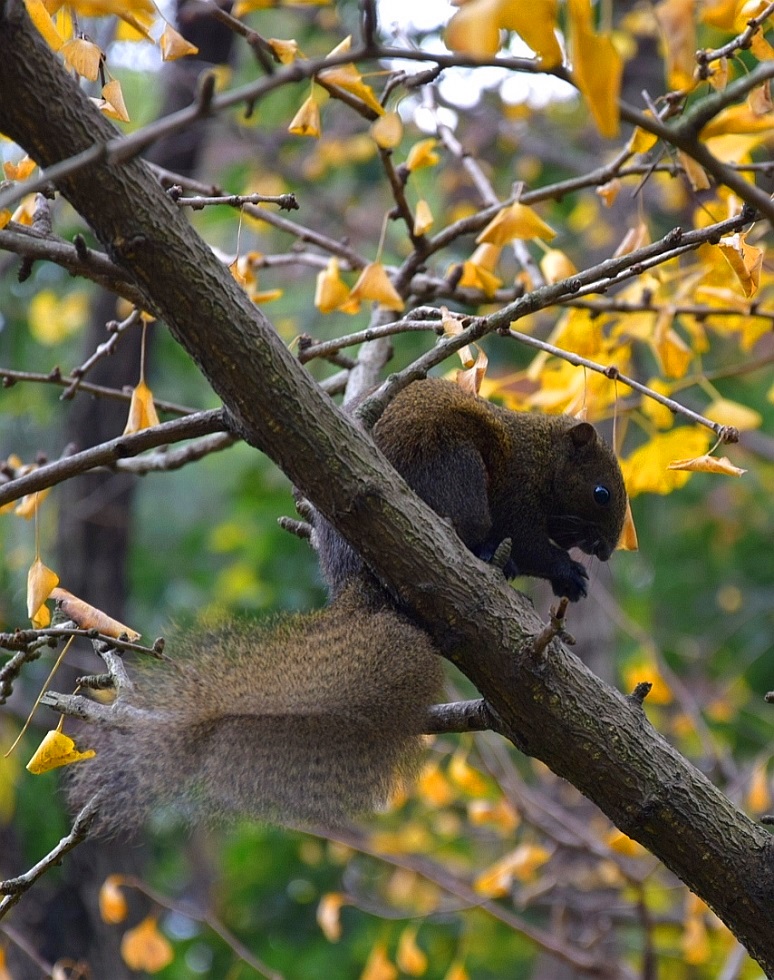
[(601, 495)]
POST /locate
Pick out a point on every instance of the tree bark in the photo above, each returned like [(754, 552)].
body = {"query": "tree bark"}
[(547, 703)]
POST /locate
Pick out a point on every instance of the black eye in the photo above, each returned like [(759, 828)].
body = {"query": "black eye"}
[(601, 495)]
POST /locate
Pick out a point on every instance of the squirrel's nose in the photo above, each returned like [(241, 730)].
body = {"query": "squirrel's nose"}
[(601, 549)]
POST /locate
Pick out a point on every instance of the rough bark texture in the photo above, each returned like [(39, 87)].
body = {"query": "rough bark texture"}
[(551, 706)]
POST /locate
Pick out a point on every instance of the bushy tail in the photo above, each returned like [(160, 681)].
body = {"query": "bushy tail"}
[(309, 719)]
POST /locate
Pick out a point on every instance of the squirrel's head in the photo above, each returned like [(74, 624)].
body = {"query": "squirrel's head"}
[(588, 499)]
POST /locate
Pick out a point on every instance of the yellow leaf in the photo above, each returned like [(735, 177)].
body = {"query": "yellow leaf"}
[(374, 284), (89, 617), (53, 319), (535, 22), (387, 130), (621, 844), (285, 51), (422, 154), (515, 221), (695, 942), (349, 79), (641, 140), (729, 412), (29, 504), (520, 864), (329, 915), (56, 750), (5, 217), (633, 239), (331, 291), (758, 792), (645, 470), (306, 121), (472, 377), (501, 815), (475, 28), (84, 57), (678, 33), (707, 464), (174, 45), (609, 192), (456, 971), (41, 19), (745, 260), (628, 539), (114, 106), (408, 956), (112, 903), (40, 581), (144, 948), (142, 411), (478, 271), (465, 776), (597, 68), (433, 787), (555, 266), (20, 170), (378, 966), (696, 174), (423, 218)]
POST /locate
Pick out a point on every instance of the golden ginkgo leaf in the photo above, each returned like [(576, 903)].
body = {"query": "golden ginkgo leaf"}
[(174, 45), (628, 539), (306, 121), (112, 903), (515, 221), (387, 130), (423, 218), (83, 56), (707, 464), (144, 947), (329, 915), (142, 411), (330, 290), (40, 581), (422, 154), (56, 750), (373, 283)]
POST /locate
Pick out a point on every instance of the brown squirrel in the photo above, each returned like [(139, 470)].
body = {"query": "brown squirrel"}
[(319, 717)]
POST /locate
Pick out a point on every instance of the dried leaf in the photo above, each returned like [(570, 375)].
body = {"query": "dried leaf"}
[(114, 105), (628, 539), (112, 903), (707, 464), (330, 291), (88, 617), (387, 130), (83, 56), (40, 581), (374, 284), (423, 218), (329, 915), (515, 221), (408, 956), (174, 45), (56, 750), (142, 411), (306, 121), (422, 154), (285, 51), (144, 948)]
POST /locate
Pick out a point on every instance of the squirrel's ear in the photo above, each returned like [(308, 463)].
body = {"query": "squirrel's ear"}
[(583, 434)]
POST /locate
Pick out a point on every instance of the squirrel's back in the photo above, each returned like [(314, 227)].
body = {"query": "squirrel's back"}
[(304, 719)]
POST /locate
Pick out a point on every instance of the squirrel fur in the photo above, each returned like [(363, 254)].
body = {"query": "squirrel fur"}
[(319, 717), (545, 482)]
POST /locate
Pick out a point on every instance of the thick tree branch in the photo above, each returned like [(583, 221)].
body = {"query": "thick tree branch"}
[(550, 705)]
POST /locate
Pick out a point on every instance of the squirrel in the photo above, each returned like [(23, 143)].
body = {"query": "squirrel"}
[(318, 717)]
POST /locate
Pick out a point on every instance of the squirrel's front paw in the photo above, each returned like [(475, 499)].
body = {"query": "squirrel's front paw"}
[(572, 582)]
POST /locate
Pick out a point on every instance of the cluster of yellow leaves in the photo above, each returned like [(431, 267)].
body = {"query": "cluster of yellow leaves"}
[(55, 21), (143, 947), (373, 283), (597, 65), (23, 215), (244, 269)]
